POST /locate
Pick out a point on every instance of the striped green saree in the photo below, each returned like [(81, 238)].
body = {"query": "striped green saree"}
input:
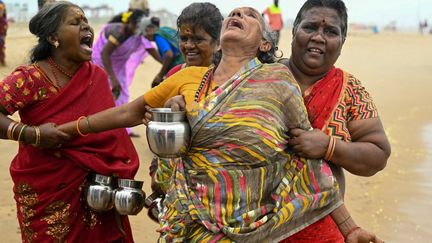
[(240, 181)]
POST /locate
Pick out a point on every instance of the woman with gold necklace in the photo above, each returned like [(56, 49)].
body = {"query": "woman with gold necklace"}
[(61, 84)]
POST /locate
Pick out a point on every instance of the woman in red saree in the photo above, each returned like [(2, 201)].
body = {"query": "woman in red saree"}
[(49, 179), (347, 130)]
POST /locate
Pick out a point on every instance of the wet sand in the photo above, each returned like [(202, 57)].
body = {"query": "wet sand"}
[(395, 69)]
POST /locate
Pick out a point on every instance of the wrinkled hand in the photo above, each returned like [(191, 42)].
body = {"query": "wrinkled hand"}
[(147, 116), (310, 144), (362, 236), (176, 103), (51, 137)]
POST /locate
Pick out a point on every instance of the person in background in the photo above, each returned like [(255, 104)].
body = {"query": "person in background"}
[(239, 181), (167, 42), (3, 32), (199, 26), (61, 84), (142, 5), (120, 50), (274, 16), (348, 132)]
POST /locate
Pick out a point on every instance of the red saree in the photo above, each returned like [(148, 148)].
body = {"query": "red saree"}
[(321, 100), (49, 183)]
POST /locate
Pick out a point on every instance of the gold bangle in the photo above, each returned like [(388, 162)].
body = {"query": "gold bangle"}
[(13, 131), (78, 129), (332, 150), (9, 130), (37, 137), (329, 148), (90, 129), (23, 128)]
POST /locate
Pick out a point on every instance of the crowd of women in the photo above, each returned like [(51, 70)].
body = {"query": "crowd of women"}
[(270, 137)]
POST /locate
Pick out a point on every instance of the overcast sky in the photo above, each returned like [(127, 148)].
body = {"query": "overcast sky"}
[(407, 13)]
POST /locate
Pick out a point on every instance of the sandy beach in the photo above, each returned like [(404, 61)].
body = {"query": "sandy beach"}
[(395, 68)]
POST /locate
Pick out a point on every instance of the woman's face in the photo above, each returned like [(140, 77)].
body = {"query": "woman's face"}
[(75, 36), (244, 27), (196, 45), (317, 41)]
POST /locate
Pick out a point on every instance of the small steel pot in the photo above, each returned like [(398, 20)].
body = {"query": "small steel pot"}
[(168, 133), (99, 193), (129, 197)]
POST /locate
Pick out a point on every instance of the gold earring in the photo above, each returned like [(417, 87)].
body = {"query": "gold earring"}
[(56, 44)]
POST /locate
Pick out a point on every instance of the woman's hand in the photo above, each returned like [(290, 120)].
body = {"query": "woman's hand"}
[(310, 144), (51, 137), (176, 103), (147, 115), (362, 236), (116, 87)]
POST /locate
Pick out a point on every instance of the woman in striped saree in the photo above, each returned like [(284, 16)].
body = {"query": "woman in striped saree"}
[(239, 180)]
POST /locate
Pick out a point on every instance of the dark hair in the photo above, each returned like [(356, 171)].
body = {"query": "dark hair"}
[(204, 15), (134, 18), (155, 21), (337, 5), (45, 24)]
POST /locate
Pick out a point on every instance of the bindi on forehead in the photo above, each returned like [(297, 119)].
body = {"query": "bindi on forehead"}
[(78, 12), (188, 30)]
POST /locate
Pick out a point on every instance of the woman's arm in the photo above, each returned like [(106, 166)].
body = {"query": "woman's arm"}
[(107, 50), (127, 115), (364, 156), (155, 54), (168, 57), (351, 232), (44, 136)]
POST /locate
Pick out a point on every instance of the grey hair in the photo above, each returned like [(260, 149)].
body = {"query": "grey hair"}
[(264, 57), (270, 36)]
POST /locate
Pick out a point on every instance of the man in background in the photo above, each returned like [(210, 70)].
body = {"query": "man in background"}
[(274, 16)]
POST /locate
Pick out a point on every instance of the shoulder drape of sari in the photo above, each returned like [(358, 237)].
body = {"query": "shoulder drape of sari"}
[(239, 180), (49, 183), (321, 99)]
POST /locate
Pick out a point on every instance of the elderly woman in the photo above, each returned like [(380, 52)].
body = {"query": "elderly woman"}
[(347, 130), (61, 84), (239, 181)]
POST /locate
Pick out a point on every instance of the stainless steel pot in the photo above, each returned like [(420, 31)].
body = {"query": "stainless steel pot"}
[(129, 197), (100, 193), (168, 133)]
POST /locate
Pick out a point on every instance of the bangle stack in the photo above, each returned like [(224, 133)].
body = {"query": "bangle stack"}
[(37, 136), (22, 133), (11, 129), (330, 149)]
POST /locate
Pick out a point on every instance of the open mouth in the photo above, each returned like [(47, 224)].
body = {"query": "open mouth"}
[(191, 54), (315, 50), (87, 42), (235, 23)]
